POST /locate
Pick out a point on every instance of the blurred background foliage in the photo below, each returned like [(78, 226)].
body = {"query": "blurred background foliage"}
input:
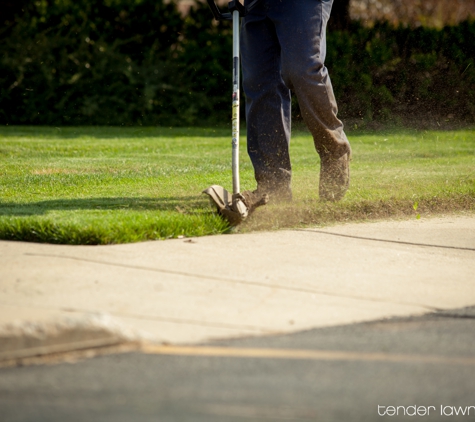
[(156, 62), (430, 13)]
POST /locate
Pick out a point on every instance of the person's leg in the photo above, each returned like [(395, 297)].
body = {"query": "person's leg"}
[(301, 27), (267, 103)]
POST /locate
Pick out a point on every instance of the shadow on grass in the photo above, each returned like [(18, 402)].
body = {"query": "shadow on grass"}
[(109, 132), (184, 204)]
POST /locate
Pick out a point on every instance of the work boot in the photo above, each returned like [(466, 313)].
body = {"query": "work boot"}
[(254, 199), (334, 177), (278, 194)]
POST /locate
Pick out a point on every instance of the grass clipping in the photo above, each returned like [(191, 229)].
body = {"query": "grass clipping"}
[(303, 214)]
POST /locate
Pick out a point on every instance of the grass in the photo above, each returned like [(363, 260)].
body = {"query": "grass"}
[(116, 185)]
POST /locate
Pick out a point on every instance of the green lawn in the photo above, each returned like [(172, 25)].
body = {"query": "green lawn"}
[(113, 185)]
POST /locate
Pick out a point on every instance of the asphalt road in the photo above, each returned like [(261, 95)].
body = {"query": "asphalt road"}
[(426, 361)]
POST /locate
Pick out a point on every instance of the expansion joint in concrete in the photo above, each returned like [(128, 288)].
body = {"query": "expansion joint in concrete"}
[(243, 282)]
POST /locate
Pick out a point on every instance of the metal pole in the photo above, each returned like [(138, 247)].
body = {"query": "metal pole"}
[(235, 109)]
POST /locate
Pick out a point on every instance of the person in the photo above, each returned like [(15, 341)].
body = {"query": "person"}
[(283, 48)]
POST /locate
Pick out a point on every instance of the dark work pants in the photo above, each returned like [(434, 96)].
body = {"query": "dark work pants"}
[(283, 47)]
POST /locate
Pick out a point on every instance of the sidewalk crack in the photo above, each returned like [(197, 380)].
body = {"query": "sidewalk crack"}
[(235, 281), (374, 239)]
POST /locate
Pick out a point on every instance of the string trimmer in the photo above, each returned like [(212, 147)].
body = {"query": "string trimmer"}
[(237, 206)]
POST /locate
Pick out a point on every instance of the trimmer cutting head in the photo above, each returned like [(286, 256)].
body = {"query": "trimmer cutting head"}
[(234, 208)]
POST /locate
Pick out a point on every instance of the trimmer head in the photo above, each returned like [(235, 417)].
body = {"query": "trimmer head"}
[(234, 207)]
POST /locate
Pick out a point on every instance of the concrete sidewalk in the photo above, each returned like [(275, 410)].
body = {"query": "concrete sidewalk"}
[(58, 298)]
